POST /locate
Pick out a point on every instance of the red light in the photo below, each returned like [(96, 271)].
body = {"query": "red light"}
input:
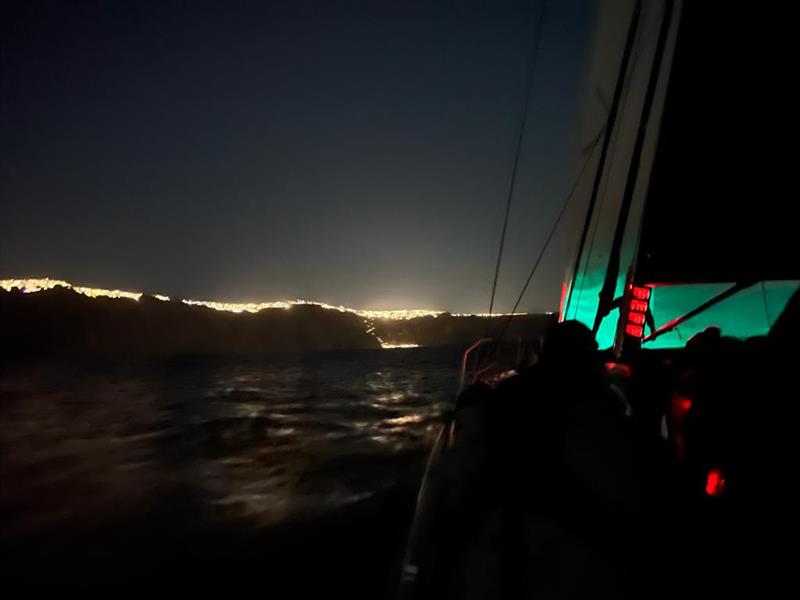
[(561, 306), (615, 368), (715, 483), (681, 405), (636, 317), (679, 412), (639, 306), (634, 330), (641, 293)]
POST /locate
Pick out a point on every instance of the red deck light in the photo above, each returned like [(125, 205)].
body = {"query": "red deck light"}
[(715, 483), (634, 330), (636, 318), (638, 305)]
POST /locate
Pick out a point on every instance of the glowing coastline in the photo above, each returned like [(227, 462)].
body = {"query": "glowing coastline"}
[(33, 285), (30, 286)]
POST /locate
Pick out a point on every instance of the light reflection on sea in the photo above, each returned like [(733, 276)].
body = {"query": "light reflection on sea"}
[(260, 438)]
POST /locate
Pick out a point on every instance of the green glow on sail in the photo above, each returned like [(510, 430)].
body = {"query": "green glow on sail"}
[(583, 307), (749, 313)]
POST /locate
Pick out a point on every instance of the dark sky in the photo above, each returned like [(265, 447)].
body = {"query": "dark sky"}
[(351, 152)]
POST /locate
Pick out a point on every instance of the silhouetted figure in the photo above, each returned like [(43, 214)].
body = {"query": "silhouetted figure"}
[(709, 335), (741, 425), (546, 492)]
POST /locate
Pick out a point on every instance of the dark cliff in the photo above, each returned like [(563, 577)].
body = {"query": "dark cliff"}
[(61, 321)]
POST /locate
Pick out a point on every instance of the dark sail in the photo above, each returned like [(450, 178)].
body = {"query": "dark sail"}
[(695, 197), (716, 208)]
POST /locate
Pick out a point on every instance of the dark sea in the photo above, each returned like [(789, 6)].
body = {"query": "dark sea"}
[(288, 476)]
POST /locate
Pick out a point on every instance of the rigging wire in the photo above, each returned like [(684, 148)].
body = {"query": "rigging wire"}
[(531, 68), (624, 106), (561, 213)]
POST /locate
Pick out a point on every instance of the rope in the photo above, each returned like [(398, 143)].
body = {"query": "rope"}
[(528, 87), (547, 242), (624, 106)]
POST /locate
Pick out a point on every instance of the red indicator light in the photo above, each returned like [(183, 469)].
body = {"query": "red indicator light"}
[(681, 405), (634, 330), (615, 368), (561, 302), (715, 483), (641, 293), (636, 318), (639, 306)]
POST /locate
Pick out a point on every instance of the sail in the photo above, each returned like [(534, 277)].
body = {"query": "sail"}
[(625, 50), (687, 198), (715, 210)]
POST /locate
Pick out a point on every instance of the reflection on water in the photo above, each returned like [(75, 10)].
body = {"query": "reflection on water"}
[(240, 437)]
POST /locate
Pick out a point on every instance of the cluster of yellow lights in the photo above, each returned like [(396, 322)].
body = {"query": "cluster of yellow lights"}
[(386, 346), (395, 315), (253, 307), (250, 307), (29, 286)]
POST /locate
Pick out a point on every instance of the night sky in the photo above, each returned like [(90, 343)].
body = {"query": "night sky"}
[(349, 152)]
